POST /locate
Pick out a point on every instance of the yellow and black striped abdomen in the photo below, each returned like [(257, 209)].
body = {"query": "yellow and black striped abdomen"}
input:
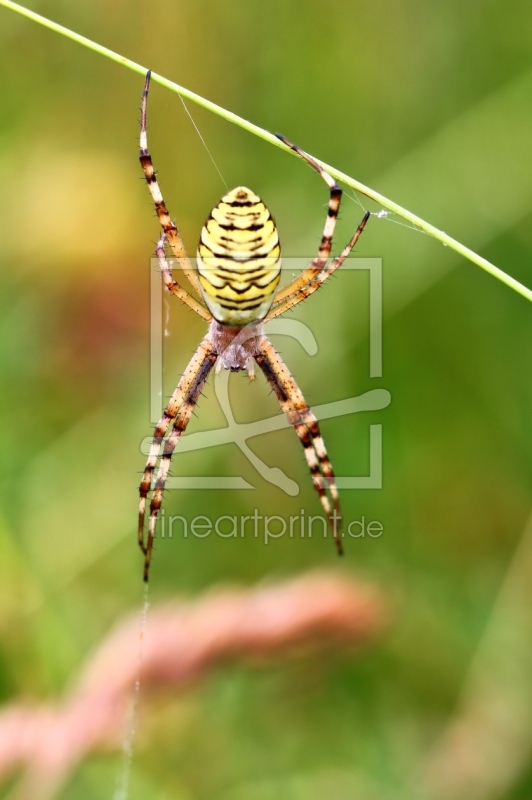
[(239, 259)]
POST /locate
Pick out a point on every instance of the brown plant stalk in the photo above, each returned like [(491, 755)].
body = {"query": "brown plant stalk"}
[(181, 643)]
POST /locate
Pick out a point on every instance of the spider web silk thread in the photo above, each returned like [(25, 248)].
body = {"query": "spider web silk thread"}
[(122, 787), (355, 198), (382, 214), (204, 143)]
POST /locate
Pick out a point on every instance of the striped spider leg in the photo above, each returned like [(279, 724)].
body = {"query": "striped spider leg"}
[(172, 234), (179, 410), (316, 273), (175, 287), (238, 271), (185, 396), (306, 426)]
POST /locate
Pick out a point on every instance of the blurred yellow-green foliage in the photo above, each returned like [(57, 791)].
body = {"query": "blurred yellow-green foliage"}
[(429, 104)]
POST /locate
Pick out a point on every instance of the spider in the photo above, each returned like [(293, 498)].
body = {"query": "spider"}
[(238, 271)]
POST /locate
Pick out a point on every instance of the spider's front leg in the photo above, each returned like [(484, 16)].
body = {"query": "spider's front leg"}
[(172, 234), (303, 292), (175, 287), (314, 275), (328, 230), (306, 426), (180, 409)]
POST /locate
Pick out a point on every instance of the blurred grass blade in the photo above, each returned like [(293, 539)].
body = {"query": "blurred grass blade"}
[(269, 137)]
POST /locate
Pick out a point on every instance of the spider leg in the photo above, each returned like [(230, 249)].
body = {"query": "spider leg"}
[(201, 370), (172, 234), (306, 426), (175, 287), (326, 241), (201, 357), (305, 291)]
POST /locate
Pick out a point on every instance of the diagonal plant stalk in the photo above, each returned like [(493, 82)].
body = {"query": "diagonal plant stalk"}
[(441, 236)]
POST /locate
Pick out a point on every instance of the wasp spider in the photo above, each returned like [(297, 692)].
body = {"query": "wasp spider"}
[(238, 271)]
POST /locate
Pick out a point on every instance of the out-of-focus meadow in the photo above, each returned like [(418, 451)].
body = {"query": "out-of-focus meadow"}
[(430, 104)]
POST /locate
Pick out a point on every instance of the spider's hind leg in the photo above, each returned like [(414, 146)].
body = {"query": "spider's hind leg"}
[(306, 426), (180, 409)]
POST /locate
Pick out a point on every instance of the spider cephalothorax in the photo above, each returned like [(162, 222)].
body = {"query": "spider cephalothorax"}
[(238, 271), (236, 347)]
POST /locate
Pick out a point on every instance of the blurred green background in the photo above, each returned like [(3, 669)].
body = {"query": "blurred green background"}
[(429, 104)]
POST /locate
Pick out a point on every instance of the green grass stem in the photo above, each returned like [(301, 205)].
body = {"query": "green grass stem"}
[(441, 236)]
